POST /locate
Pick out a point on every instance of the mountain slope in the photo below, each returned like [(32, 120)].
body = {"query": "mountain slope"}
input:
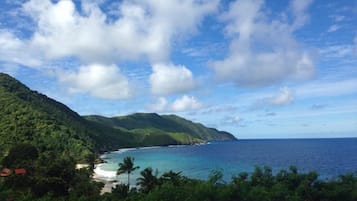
[(165, 124), (27, 116)]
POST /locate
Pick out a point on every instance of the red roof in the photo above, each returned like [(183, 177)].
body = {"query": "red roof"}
[(20, 171), (5, 172)]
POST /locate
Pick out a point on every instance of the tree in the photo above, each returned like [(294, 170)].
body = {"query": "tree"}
[(148, 180), (171, 176), (20, 155), (127, 166)]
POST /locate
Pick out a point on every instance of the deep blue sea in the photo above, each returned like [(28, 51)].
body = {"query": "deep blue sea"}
[(329, 157)]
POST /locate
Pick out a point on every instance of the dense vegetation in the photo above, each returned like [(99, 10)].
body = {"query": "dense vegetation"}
[(60, 181), (29, 117), (151, 123)]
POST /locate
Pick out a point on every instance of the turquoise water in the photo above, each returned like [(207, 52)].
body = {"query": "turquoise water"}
[(329, 157)]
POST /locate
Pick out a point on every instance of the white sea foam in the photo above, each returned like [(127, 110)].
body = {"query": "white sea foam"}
[(104, 174), (179, 145), (152, 147), (120, 151)]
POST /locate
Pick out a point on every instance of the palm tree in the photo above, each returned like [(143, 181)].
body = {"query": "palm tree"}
[(148, 180), (127, 166), (174, 177)]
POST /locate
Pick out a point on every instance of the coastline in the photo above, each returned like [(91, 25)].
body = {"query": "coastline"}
[(109, 178)]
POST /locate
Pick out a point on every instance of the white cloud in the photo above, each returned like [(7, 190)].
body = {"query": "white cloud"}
[(185, 103), (151, 25), (168, 79), (14, 50), (333, 28), (299, 8), (284, 97), (159, 106), (97, 80), (263, 51), (141, 30)]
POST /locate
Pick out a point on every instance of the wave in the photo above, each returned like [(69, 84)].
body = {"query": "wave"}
[(104, 174), (152, 147), (120, 151), (179, 145)]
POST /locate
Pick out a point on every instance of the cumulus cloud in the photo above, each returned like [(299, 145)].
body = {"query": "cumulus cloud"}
[(153, 25), (168, 79), (14, 50), (185, 103), (263, 51), (102, 81), (133, 30)]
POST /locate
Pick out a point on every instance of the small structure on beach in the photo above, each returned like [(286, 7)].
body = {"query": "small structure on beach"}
[(5, 172), (20, 171)]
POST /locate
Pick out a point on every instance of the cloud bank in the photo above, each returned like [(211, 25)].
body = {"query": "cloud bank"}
[(262, 50)]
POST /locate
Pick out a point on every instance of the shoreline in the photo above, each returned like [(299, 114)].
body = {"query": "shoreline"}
[(109, 178), (108, 184)]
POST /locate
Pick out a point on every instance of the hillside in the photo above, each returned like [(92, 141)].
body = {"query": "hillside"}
[(146, 122), (27, 116)]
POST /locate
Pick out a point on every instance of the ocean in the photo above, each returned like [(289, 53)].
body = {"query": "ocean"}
[(329, 157)]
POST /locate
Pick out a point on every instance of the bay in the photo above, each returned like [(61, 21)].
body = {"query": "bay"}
[(329, 157)]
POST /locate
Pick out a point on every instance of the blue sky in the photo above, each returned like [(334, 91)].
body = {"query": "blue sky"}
[(258, 69)]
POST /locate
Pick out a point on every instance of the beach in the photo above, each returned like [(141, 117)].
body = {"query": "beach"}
[(109, 178)]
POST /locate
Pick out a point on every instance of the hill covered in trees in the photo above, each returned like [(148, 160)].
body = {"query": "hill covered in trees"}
[(27, 116), (178, 128)]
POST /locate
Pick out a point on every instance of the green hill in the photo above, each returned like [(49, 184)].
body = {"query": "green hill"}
[(147, 122), (30, 117), (27, 116)]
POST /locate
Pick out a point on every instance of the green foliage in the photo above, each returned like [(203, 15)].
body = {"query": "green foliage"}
[(21, 155), (32, 118), (127, 166), (147, 180), (165, 129)]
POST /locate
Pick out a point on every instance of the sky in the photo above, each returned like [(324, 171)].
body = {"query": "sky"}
[(255, 68)]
